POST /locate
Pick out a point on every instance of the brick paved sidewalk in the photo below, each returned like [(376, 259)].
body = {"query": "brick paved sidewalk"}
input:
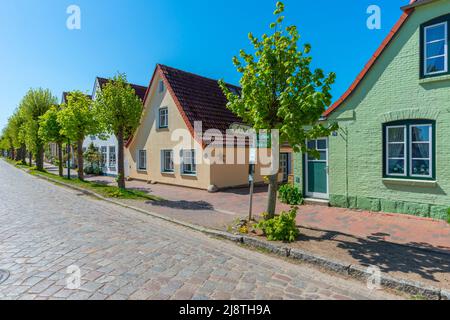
[(220, 209), (347, 235), (123, 254)]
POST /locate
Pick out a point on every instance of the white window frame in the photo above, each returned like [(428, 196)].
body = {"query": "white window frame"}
[(142, 165), (163, 162), (192, 162), (445, 55), (430, 151), (104, 153), (112, 159), (166, 117), (405, 143)]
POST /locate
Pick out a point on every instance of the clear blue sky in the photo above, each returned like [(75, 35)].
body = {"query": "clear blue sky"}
[(199, 36)]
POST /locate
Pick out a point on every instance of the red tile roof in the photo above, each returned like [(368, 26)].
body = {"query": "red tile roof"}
[(373, 59), (197, 99), (200, 98), (140, 90)]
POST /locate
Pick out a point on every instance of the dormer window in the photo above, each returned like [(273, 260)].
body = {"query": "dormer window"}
[(435, 57)]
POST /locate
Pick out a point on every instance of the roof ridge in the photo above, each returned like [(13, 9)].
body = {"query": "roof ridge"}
[(194, 74)]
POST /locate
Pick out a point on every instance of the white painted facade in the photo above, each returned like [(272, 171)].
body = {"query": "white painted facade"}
[(108, 148)]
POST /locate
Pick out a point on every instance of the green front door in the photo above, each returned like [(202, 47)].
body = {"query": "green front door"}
[(316, 170)]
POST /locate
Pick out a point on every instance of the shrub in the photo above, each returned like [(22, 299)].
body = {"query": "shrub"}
[(281, 228), (93, 160), (291, 195), (448, 215)]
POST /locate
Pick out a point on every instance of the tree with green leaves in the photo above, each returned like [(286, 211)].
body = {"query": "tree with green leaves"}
[(16, 127), (34, 105), (119, 110), (77, 120), (281, 92), (50, 131), (6, 141)]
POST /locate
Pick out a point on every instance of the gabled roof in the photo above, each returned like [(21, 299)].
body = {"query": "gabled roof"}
[(416, 3), (140, 90), (408, 10), (197, 99)]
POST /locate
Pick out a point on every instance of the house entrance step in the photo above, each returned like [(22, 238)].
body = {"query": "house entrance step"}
[(317, 202)]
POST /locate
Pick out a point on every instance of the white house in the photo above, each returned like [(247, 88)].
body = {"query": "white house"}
[(109, 146)]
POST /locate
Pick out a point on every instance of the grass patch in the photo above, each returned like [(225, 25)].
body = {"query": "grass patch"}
[(101, 189), (15, 163)]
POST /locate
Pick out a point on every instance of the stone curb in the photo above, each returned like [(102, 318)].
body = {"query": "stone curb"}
[(354, 271)]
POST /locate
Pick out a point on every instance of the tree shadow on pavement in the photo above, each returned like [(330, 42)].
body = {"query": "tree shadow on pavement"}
[(421, 259), (182, 204)]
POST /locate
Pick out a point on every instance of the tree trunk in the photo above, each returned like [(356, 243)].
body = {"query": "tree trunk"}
[(30, 158), (121, 166), (80, 159), (23, 155), (13, 154), (272, 199), (40, 158), (60, 159)]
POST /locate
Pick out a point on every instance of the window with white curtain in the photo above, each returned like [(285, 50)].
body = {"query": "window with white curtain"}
[(409, 149)]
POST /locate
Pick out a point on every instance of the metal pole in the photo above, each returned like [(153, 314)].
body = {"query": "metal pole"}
[(252, 185), (250, 213), (68, 159)]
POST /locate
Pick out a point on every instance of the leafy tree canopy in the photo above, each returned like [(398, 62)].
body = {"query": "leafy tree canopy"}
[(77, 118), (279, 89), (118, 107), (33, 105), (50, 128)]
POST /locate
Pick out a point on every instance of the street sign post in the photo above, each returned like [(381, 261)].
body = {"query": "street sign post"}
[(68, 159), (251, 177)]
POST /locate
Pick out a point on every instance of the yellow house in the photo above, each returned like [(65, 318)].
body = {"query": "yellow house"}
[(182, 136)]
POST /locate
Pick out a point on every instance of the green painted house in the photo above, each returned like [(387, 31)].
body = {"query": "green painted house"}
[(392, 151)]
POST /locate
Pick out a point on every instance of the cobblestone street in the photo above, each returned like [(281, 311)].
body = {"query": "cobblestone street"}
[(123, 254)]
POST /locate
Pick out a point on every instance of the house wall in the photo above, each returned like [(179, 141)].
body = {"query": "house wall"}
[(236, 175), (152, 139), (391, 91)]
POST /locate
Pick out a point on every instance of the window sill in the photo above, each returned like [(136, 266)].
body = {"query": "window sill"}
[(189, 174), (168, 173), (411, 182), (437, 78)]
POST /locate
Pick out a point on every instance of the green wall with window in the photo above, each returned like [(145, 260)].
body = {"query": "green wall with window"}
[(395, 93)]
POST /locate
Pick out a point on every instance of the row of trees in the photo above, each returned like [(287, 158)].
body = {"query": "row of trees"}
[(280, 90), (40, 120)]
